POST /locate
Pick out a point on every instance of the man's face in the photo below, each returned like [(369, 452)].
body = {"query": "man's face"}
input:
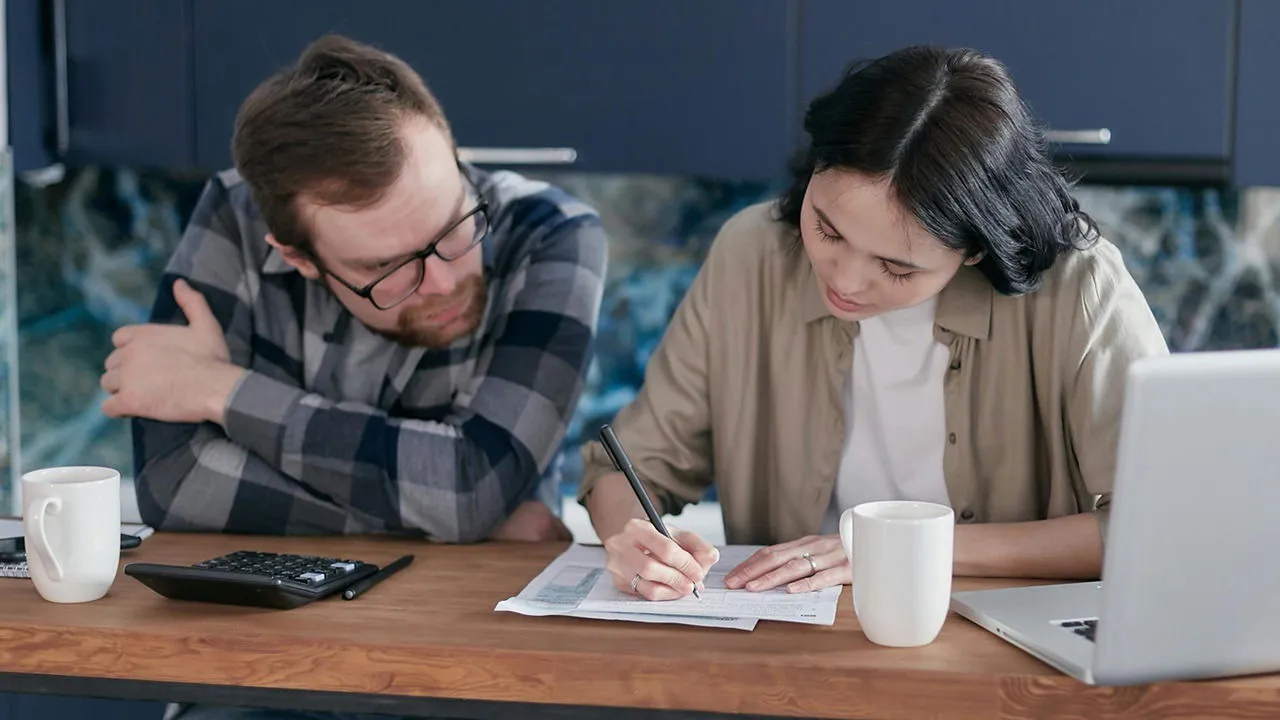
[(361, 245)]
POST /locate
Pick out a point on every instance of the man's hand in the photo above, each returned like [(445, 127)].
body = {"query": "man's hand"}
[(532, 522), (172, 373)]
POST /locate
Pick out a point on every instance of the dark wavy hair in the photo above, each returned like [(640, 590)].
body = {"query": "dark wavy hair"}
[(948, 131)]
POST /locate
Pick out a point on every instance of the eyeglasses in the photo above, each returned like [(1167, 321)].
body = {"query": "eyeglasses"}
[(396, 285)]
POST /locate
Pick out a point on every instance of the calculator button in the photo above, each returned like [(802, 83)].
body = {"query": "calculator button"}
[(311, 577), (343, 566)]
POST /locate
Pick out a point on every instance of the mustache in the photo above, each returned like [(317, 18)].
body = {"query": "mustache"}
[(467, 290)]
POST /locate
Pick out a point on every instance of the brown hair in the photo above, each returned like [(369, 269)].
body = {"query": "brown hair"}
[(328, 126)]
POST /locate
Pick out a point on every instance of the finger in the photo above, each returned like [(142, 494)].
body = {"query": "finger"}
[(761, 561), (825, 579), (110, 381), (788, 571), (123, 335), (631, 559), (151, 333), (114, 407), (195, 307), (626, 562), (665, 550), (656, 591), (703, 552), (114, 360), (656, 571)]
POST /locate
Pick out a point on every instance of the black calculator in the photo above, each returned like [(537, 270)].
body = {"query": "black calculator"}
[(258, 579)]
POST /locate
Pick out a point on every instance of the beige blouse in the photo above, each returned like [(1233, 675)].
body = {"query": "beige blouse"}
[(745, 389)]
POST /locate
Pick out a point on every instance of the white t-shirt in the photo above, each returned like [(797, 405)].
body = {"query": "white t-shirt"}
[(895, 427)]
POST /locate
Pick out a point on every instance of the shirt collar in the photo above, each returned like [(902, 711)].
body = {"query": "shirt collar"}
[(964, 305)]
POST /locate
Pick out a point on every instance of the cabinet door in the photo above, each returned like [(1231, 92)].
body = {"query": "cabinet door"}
[(129, 82), (28, 35), (664, 86), (1156, 73), (1257, 150)]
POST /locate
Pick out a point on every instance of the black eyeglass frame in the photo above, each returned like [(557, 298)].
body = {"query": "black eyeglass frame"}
[(481, 208)]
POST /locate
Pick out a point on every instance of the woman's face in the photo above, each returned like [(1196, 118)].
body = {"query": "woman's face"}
[(869, 255)]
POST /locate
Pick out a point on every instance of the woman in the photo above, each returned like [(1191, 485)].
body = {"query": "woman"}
[(925, 314)]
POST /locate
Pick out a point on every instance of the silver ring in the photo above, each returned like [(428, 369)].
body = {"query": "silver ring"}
[(813, 567), (634, 582)]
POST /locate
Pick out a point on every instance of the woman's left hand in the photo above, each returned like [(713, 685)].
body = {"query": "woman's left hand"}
[(804, 565)]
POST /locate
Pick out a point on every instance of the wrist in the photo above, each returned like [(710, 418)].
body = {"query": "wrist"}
[(972, 556), (223, 379)]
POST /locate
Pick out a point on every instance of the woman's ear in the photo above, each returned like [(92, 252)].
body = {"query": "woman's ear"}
[(976, 258)]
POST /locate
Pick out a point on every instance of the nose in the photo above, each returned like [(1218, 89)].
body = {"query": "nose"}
[(851, 277), (438, 277)]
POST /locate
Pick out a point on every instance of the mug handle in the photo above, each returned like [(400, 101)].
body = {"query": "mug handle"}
[(36, 511), (846, 532)]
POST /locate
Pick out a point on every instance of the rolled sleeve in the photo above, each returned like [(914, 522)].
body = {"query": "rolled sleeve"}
[(1113, 327)]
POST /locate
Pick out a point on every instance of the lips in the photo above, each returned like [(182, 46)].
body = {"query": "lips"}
[(446, 314), (843, 305)]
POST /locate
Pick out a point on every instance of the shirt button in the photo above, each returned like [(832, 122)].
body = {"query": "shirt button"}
[(951, 438), (966, 515)]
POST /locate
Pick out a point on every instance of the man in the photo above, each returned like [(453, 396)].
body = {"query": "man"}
[(358, 333)]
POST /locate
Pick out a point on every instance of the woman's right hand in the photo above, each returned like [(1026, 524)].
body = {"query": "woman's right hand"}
[(644, 562)]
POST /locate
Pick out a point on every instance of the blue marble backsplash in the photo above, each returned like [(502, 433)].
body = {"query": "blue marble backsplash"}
[(90, 249)]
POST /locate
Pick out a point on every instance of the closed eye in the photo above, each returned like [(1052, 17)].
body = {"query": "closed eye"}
[(896, 277), (826, 236)]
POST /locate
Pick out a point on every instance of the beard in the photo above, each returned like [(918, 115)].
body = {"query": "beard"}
[(416, 328)]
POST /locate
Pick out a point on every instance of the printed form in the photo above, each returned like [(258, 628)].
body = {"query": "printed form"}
[(576, 585)]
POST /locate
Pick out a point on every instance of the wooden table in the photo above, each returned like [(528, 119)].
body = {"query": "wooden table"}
[(427, 642)]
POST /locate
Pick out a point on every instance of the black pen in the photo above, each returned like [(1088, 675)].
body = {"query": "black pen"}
[(623, 464), (358, 589)]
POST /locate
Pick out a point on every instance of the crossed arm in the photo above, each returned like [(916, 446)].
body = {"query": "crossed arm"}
[(219, 447)]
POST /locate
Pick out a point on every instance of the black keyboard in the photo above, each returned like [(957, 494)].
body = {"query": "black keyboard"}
[(1084, 628), (257, 579)]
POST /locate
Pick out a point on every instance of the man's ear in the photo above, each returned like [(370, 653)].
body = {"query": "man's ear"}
[(296, 259)]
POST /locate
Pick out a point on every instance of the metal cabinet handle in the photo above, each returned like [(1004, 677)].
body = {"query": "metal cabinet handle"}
[(62, 118), (518, 156), (1100, 136)]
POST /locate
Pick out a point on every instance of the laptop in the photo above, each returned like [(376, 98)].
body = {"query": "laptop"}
[(1191, 571)]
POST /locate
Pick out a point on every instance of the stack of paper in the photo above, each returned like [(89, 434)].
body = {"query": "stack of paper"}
[(577, 585)]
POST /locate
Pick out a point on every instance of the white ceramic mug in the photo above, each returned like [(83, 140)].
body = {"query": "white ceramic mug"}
[(71, 521), (901, 553)]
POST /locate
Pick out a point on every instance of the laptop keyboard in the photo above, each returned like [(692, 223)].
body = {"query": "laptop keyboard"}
[(1083, 628)]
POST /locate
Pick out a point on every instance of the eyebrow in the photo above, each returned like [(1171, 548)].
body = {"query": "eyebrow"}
[(892, 261), (372, 263)]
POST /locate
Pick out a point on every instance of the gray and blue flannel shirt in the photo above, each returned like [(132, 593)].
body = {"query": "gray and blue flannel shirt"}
[(337, 429)]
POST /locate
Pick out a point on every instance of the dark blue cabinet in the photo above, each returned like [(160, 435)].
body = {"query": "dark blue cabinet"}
[(1257, 148), (109, 84), (1156, 73), (663, 86), (28, 41), (129, 82)]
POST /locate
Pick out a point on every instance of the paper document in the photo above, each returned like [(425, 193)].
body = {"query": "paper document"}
[(569, 579), (576, 584), (814, 608), (12, 527)]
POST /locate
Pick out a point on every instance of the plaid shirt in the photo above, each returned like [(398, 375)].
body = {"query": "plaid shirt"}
[(337, 429)]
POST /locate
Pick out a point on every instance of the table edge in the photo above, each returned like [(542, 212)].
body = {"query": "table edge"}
[(334, 701)]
